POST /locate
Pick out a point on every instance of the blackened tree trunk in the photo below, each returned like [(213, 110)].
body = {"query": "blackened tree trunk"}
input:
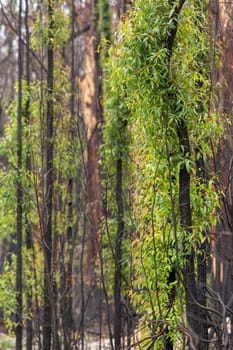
[(19, 327), (67, 268), (29, 243), (47, 244), (54, 298), (202, 250), (186, 224), (168, 342), (118, 254), (196, 316), (66, 273)]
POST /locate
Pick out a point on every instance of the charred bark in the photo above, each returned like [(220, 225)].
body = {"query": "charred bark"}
[(29, 239), (169, 43), (47, 320), (118, 255), (202, 251), (19, 312), (168, 343), (192, 312), (67, 268)]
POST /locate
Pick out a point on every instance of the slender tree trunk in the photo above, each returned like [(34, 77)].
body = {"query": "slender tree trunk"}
[(201, 295), (186, 224), (19, 327), (171, 279), (54, 301), (67, 287), (48, 278), (202, 250), (66, 282), (169, 45), (29, 243), (118, 253)]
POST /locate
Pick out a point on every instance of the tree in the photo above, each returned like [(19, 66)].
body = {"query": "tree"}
[(113, 174), (48, 233), (19, 327), (163, 96), (28, 229), (221, 24)]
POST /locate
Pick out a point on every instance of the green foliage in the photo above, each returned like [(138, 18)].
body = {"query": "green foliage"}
[(7, 292), (116, 144), (103, 19), (66, 158), (8, 174), (8, 301), (42, 35), (148, 95)]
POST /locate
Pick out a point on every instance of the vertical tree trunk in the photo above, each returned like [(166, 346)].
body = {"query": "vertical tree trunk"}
[(54, 299), (186, 224), (168, 343), (202, 251), (66, 281), (29, 243), (19, 327), (48, 278), (118, 254), (90, 94), (222, 75), (67, 268)]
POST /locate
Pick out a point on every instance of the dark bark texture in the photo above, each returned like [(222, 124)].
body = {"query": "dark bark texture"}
[(118, 255), (19, 326), (47, 244), (29, 239), (186, 224), (221, 14)]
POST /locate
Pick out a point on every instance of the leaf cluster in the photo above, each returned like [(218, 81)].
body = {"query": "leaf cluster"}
[(158, 94)]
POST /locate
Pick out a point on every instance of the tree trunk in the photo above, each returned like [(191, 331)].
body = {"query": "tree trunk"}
[(48, 278), (222, 75), (186, 224), (19, 326), (90, 94), (29, 242), (67, 268), (118, 253), (168, 343), (202, 251)]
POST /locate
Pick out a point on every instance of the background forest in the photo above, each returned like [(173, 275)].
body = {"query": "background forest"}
[(116, 196)]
